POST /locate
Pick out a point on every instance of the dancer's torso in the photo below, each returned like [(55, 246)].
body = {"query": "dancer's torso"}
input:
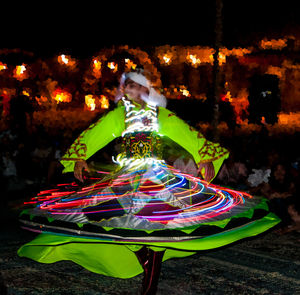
[(140, 137)]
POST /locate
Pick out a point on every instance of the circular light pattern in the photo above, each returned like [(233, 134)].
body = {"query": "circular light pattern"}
[(158, 195)]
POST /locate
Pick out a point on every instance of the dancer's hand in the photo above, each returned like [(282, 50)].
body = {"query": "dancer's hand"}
[(79, 166), (209, 171)]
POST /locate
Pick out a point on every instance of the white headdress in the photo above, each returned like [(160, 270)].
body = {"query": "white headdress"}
[(154, 98)]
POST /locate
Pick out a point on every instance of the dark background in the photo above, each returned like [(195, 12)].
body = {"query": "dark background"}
[(84, 27)]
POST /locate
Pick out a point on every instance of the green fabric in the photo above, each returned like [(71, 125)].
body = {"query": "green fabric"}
[(108, 259), (188, 230), (116, 259), (191, 140), (219, 223), (98, 135), (112, 125)]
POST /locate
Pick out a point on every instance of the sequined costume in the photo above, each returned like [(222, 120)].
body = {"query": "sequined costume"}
[(144, 202)]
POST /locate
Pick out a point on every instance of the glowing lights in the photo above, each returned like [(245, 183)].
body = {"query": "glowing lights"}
[(104, 102), (25, 92), (133, 163), (63, 59), (3, 66), (167, 58), (130, 64), (194, 60), (138, 120), (113, 66), (165, 196), (273, 43), (178, 92), (135, 119), (227, 97), (221, 58), (184, 91), (90, 102), (195, 55), (20, 72), (235, 51), (61, 96), (167, 54), (97, 66), (66, 60)]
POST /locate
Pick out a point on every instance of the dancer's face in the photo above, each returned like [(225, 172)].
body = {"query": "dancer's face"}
[(134, 90)]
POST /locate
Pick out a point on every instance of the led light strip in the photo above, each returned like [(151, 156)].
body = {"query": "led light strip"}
[(136, 117)]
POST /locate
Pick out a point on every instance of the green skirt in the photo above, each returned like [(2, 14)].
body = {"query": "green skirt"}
[(117, 258)]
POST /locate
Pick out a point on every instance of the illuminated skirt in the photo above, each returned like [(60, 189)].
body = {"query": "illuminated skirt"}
[(101, 224)]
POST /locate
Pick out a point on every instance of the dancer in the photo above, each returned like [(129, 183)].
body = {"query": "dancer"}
[(128, 221)]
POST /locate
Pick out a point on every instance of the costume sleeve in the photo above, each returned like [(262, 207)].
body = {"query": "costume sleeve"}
[(191, 140), (98, 135)]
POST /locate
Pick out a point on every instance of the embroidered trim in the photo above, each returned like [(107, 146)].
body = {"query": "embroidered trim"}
[(210, 150), (79, 148), (72, 159), (200, 135), (213, 159)]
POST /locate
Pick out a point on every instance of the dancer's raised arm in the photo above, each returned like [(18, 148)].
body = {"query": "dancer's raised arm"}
[(98, 135), (208, 155)]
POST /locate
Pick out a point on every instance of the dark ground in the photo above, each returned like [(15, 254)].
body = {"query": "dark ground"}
[(267, 264)]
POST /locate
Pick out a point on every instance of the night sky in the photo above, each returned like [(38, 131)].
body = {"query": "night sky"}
[(83, 28)]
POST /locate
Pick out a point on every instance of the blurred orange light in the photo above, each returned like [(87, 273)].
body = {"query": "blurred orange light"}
[(222, 58), (62, 96), (2, 66), (20, 72), (97, 68), (184, 91), (24, 92), (97, 64), (104, 102), (130, 64), (90, 102), (273, 44), (167, 59), (113, 66), (193, 59), (227, 97), (66, 60)]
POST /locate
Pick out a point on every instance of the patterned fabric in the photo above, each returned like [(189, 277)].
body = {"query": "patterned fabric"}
[(143, 184), (95, 137), (145, 193), (143, 202), (153, 197), (168, 124), (191, 140), (142, 145)]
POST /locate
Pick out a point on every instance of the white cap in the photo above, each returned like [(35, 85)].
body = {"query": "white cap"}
[(154, 98), (139, 79)]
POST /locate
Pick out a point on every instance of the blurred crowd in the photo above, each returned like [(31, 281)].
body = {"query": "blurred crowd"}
[(269, 168)]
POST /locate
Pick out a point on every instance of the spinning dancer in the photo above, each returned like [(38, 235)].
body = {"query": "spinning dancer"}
[(126, 222)]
